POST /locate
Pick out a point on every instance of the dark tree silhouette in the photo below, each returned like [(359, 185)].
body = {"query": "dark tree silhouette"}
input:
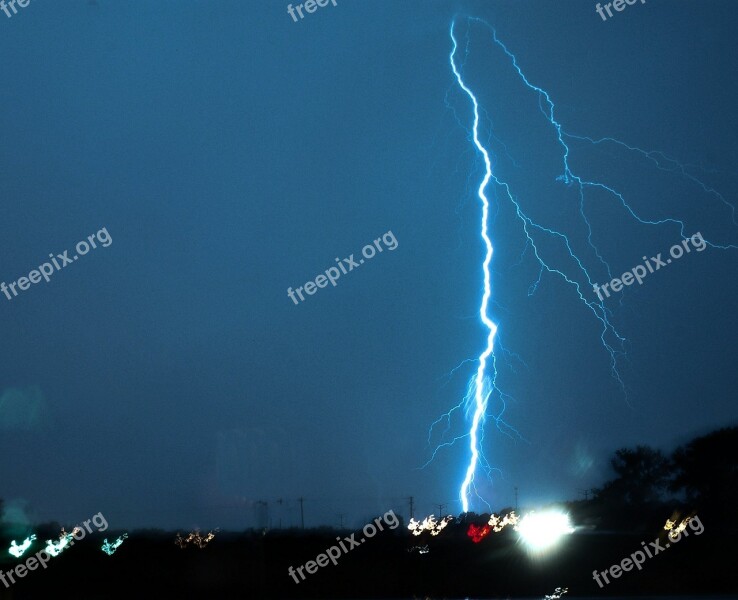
[(641, 478), (706, 472)]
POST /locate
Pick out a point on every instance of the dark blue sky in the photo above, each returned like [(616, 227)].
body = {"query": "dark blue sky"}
[(231, 153)]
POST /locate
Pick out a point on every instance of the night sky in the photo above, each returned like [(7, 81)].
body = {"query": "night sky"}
[(230, 153)]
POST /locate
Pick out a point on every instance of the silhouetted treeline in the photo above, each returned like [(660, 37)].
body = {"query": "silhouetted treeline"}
[(625, 514), (700, 477)]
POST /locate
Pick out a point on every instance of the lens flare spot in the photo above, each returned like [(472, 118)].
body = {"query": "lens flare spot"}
[(541, 531)]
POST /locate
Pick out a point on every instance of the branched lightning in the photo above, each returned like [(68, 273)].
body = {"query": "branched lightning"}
[(483, 384)]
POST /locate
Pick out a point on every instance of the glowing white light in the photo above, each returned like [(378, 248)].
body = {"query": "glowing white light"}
[(498, 523), (17, 550), (65, 540), (542, 530), (110, 548), (429, 524), (675, 532), (194, 538)]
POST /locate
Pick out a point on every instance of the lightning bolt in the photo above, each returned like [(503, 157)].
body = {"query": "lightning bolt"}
[(483, 384), (481, 391)]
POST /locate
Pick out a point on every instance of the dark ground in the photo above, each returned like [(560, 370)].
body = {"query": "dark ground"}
[(254, 565)]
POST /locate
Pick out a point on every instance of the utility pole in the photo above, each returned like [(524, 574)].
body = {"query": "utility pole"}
[(440, 509), (265, 504), (340, 516), (412, 514), (585, 493), (302, 513), (516, 498), (280, 512)]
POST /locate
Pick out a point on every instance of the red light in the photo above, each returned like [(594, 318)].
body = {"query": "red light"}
[(477, 534)]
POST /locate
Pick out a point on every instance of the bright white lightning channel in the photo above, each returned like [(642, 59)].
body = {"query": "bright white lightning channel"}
[(481, 386), (481, 395)]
